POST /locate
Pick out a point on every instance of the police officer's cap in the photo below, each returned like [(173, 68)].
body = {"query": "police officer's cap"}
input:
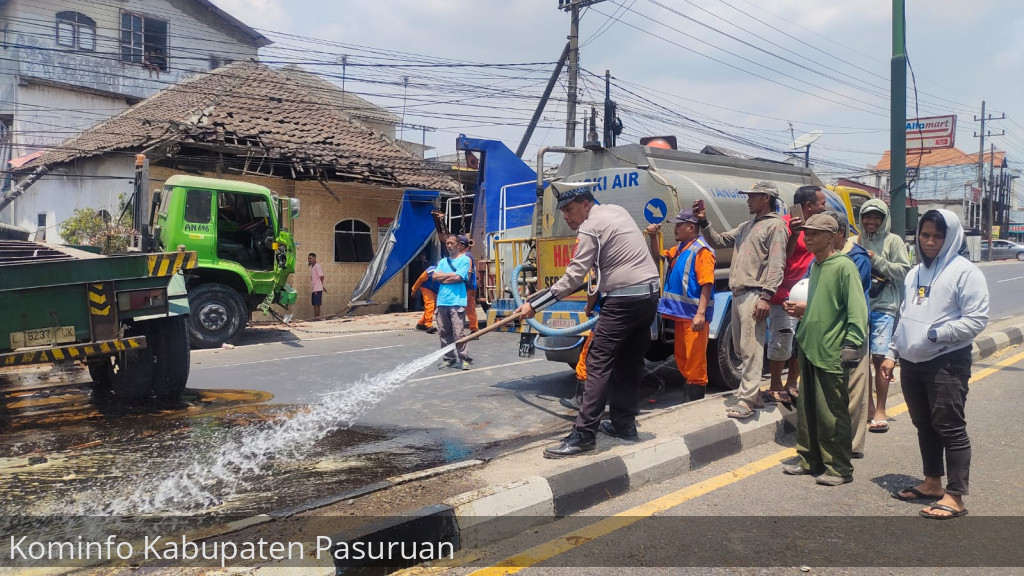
[(566, 192)]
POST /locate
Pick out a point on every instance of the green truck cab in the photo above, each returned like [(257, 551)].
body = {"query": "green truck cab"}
[(242, 235)]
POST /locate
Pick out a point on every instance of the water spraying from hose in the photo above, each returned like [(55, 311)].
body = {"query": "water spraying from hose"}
[(206, 481)]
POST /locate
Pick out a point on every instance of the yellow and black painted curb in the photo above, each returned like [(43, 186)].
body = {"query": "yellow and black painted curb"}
[(72, 352), (169, 263)]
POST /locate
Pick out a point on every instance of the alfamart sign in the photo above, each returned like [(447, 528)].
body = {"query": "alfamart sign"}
[(931, 133)]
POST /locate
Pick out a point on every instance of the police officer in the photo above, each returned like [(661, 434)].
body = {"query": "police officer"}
[(611, 243)]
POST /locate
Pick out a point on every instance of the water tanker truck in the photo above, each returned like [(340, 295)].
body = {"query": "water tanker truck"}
[(524, 244)]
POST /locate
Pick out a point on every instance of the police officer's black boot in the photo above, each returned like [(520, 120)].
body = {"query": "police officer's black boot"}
[(576, 401), (577, 442), (694, 391)]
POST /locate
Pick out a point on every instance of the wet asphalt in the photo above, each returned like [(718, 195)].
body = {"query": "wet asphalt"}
[(76, 452)]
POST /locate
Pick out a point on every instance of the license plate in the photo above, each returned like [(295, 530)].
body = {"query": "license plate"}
[(42, 337)]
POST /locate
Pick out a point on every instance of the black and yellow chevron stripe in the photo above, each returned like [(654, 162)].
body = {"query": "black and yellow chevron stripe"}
[(99, 299), (72, 352), (169, 263)]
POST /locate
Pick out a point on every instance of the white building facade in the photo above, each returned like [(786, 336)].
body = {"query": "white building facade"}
[(67, 65)]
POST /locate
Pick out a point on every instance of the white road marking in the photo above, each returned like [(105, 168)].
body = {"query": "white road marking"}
[(299, 357), (449, 372), (346, 335), (1009, 279)]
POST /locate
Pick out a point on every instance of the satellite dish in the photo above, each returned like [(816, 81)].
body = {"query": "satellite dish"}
[(806, 139)]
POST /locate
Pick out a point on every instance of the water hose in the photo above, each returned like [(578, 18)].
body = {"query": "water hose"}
[(490, 328), (541, 328)]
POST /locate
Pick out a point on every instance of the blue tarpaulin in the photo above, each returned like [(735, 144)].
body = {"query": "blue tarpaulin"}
[(410, 231), (506, 189)]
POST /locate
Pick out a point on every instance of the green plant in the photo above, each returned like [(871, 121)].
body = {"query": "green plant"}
[(87, 227)]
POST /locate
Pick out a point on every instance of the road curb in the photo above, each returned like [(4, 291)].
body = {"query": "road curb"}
[(493, 513), (992, 343)]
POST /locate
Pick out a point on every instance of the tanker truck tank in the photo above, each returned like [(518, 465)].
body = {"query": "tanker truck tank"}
[(654, 184)]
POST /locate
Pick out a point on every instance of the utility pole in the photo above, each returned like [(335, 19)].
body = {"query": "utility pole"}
[(898, 123), (543, 101), (612, 125), (573, 8), (986, 196)]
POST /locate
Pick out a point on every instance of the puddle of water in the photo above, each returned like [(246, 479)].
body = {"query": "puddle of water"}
[(235, 460)]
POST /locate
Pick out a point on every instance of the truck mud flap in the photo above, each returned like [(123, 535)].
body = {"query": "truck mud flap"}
[(72, 352)]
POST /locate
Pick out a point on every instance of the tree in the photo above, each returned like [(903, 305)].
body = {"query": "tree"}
[(87, 227)]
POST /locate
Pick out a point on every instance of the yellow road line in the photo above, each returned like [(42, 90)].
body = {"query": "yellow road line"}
[(608, 525)]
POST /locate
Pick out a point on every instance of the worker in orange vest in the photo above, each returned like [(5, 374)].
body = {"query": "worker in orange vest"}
[(428, 288)]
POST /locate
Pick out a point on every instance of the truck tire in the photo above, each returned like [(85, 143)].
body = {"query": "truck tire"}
[(100, 381), (217, 315), (128, 378), (168, 341), (723, 362)]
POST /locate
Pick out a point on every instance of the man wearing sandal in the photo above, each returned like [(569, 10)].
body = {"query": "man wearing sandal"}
[(810, 200), (945, 309), (831, 338), (755, 273), (889, 266)]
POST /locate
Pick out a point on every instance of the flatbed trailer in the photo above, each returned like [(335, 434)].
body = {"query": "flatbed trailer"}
[(122, 316)]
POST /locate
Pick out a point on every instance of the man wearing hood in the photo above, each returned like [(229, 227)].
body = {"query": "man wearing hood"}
[(889, 265), (945, 309)]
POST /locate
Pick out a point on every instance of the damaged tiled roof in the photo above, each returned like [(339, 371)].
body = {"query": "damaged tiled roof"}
[(250, 110), (345, 101)]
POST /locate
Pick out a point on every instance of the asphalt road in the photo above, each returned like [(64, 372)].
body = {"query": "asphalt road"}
[(1005, 285), (433, 418), (342, 423), (742, 512)]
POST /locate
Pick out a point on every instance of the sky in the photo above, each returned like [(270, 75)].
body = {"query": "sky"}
[(734, 73)]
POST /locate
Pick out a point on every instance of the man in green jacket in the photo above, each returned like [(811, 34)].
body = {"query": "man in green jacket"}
[(831, 336), (889, 266)]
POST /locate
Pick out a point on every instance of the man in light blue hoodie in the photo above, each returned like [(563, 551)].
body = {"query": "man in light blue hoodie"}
[(945, 309)]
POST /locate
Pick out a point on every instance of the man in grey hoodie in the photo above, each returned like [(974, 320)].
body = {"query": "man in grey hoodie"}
[(889, 265), (945, 309)]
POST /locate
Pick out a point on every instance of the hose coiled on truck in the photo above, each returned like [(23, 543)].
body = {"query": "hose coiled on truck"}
[(541, 328)]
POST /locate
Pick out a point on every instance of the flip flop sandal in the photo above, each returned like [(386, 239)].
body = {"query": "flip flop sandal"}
[(778, 396), (936, 506), (878, 426), (793, 392), (917, 494), (739, 411)]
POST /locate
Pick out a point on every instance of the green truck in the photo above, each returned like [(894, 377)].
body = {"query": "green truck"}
[(122, 316), (242, 235)]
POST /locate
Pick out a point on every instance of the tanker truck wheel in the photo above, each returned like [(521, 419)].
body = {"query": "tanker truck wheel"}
[(217, 314), (168, 341), (723, 361)]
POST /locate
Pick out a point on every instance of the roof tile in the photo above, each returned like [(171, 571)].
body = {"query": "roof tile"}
[(283, 111)]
